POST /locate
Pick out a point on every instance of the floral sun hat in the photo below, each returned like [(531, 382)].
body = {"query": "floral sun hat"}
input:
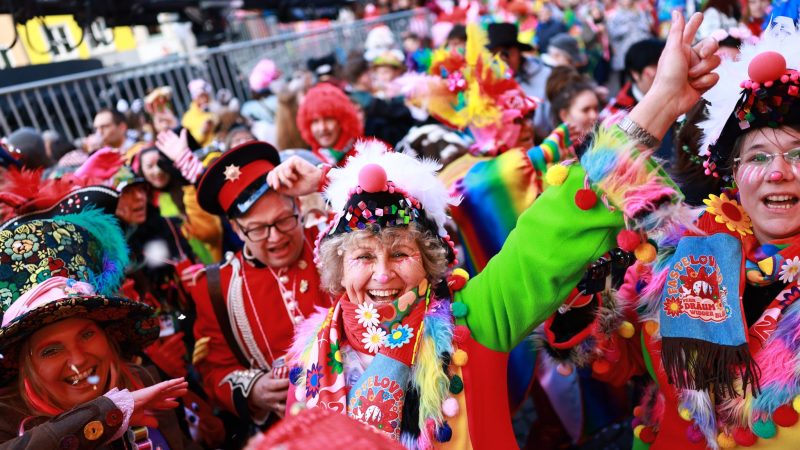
[(65, 266)]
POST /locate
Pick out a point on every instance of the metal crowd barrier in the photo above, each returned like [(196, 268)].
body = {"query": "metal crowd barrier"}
[(67, 104)]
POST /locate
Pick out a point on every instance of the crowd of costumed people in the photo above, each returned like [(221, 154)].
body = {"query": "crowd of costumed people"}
[(538, 225)]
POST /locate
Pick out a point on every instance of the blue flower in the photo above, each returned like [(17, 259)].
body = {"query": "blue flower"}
[(399, 337), (313, 376)]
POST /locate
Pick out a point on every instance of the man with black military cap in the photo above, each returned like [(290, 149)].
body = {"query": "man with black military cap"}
[(248, 306)]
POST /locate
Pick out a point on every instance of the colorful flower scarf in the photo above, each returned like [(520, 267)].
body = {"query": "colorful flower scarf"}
[(391, 333), (705, 341), (776, 260), (412, 355), (765, 264)]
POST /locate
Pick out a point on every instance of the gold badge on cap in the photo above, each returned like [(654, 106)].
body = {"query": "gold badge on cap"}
[(232, 172)]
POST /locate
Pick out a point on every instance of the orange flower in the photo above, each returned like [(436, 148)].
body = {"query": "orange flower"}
[(729, 212), (673, 307)]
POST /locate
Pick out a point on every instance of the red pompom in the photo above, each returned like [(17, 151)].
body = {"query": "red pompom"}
[(648, 435), (601, 366), (372, 178), (461, 333), (694, 435), (767, 66), (744, 437), (456, 282), (785, 416), (628, 240), (585, 199)]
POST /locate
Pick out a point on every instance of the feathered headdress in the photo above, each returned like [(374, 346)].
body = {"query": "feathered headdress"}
[(759, 89), (379, 188), (23, 191), (474, 91)]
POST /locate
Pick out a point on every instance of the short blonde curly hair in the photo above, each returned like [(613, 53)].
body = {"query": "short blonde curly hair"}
[(331, 253)]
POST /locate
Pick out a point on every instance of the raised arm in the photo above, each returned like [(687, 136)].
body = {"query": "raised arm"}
[(555, 239)]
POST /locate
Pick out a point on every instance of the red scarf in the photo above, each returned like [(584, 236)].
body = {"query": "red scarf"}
[(368, 330)]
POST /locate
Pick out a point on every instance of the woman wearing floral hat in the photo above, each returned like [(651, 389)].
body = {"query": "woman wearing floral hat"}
[(64, 379)]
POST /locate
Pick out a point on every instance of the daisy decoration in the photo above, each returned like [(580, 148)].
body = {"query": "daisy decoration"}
[(790, 269), (367, 315), (399, 337), (373, 339)]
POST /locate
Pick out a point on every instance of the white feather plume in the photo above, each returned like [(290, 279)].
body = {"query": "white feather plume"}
[(416, 176), (781, 37)]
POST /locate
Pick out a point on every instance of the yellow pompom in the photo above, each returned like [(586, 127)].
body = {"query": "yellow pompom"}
[(796, 403), (651, 327), (556, 175), (725, 441), (645, 252), (460, 358), (461, 273), (626, 329), (296, 408), (685, 414), (638, 430)]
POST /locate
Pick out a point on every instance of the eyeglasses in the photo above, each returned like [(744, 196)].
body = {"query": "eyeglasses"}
[(261, 232), (765, 159)]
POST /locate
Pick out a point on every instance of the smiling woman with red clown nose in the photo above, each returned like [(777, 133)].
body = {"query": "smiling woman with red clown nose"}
[(404, 345), (715, 306)]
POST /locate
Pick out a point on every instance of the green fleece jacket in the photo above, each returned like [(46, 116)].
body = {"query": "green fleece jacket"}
[(543, 258)]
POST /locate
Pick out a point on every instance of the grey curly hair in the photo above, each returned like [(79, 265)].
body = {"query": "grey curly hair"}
[(331, 253)]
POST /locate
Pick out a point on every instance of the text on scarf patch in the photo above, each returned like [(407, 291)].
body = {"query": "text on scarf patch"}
[(693, 288), (379, 403)]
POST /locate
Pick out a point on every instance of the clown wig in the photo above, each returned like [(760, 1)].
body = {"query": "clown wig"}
[(326, 100)]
